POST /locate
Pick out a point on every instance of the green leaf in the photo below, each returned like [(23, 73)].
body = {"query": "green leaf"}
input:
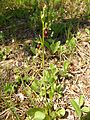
[(53, 115), (9, 88), (33, 50), (81, 100), (51, 92), (53, 68), (85, 109), (65, 68), (87, 31), (39, 115), (71, 44), (35, 86), (59, 89), (32, 111), (26, 78), (33, 2), (57, 1), (61, 112), (47, 117), (76, 107), (66, 64), (46, 76), (54, 46), (47, 44)]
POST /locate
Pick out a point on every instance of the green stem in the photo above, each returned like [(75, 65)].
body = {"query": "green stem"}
[(43, 45), (43, 56), (43, 49)]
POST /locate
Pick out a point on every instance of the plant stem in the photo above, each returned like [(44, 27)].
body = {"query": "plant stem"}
[(43, 49), (43, 45)]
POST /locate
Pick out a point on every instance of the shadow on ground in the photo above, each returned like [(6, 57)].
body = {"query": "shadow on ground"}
[(19, 24), (87, 116), (23, 23)]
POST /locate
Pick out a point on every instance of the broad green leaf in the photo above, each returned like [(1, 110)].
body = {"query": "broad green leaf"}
[(51, 92), (85, 109), (33, 2), (87, 31), (33, 50), (77, 101), (61, 112), (53, 68), (50, 76), (39, 115), (57, 1), (81, 100), (66, 64), (54, 46), (32, 111), (47, 44), (47, 117), (9, 88), (65, 68), (71, 44), (62, 49), (76, 107), (59, 89), (35, 86), (46, 76), (53, 115)]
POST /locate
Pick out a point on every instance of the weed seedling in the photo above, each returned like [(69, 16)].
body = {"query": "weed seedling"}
[(79, 107), (47, 86), (71, 45)]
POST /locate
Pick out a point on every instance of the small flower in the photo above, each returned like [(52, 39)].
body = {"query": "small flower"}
[(13, 40), (21, 96), (38, 45), (46, 33)]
